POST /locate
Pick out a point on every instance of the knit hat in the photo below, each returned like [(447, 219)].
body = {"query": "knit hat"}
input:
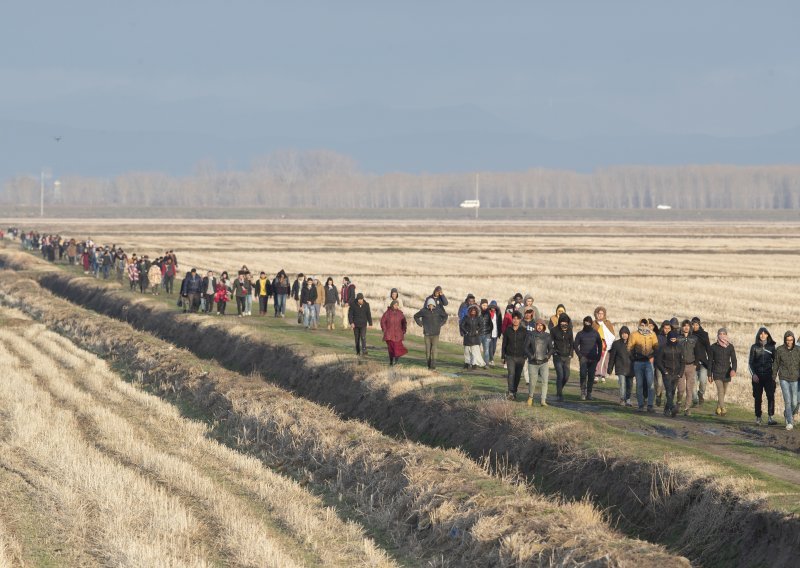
[(430, 302), (564, 318), (588, 320), (674, 322), (672, 335), (722, 330), (493, 303)]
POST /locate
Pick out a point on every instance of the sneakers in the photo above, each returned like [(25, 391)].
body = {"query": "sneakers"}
[(628, 403), (530, 401), (491, 363), (789, 426), (724, 411), (771, 421), (687, 412), (758, 421), (583, 396), (602, 379), (544, 403)]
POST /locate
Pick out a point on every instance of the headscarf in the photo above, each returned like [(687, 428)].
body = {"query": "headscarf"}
[(722, 337)]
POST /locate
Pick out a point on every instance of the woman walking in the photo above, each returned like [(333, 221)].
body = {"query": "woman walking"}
[(331, 300), (721, 367), (394, 325), (619, 358), (154, 278), (221, 296), (606, 330), (786, 368), (762, 357), (133, 273)]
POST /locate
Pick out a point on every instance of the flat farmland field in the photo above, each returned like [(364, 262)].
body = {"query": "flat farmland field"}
[(735, 275)]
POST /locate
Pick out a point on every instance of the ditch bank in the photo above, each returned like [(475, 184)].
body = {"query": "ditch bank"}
[(438, 507), (692, 509)]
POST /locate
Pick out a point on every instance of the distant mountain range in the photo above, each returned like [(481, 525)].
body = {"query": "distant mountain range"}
[(174, 138)]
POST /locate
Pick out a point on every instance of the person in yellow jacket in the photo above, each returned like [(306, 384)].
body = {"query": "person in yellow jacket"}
[(642, 346)]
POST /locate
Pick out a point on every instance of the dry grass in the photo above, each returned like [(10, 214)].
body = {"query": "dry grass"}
[(145, 486), (434, 504)]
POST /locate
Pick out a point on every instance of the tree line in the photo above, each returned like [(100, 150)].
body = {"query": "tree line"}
[(326, 179)]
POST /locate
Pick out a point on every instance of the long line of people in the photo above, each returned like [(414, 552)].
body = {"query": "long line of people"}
[(670, 364)]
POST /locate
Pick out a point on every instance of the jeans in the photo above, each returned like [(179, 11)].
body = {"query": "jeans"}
[(262, 305), (492, 348), (248, 303), (514, 366), (625, 385), (360, 334), (486, 344), (764, 385), (431, 350), (643, 370), (702, 380), (209, 302), (587, 369), (241, 304), (562, 373), (789, 389), (280, 304), (538, 373), (309, 315)]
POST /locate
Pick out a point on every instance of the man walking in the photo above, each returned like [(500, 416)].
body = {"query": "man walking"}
[(431, 319), (538, 349), (588, 347)]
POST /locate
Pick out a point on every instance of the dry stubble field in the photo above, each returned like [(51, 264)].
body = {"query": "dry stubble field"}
[(734, 274)]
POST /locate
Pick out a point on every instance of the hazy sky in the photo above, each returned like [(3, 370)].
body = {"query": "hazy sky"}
[(556, 68)]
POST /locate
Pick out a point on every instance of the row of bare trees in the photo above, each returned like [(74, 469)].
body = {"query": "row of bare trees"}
[(329, 180)]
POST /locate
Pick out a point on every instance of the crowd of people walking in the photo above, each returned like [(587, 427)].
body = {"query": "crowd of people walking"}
[(670, 364)]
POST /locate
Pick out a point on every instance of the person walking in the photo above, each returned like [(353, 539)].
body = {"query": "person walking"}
[(488, 327), (348, 296), (693, 351), (320, 299), (144, 274), (168, 272), (588, 346), (497, 324), (786, 369), (563, 341), (721, 367), (760, 361), (132, 269), (241, 290), (331, 301), (438, 296), (154, 278), (538, 349), (515, 337), (619, 358), (394, 325), (360, 318), (280, 289), (606, 330), (431, 319), (643, 345), (698, 397), (671, 363), (658, 379), (222, 296), (470, 328), (308, 298), (297, 288), (553, 323), (394, 295), (262, 292), (209, 290)]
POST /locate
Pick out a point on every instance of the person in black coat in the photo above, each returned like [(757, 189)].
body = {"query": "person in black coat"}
[(762, 356), (721, 367), (588, 347), (702, 361), (360, 318), (515, 337), (431, 319), (563, 344), (670, 361), (619, 358)]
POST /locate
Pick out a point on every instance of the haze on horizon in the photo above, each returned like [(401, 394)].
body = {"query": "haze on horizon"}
[(412, 86)]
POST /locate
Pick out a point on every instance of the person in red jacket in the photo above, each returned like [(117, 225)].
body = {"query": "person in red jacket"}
[(394, 325)]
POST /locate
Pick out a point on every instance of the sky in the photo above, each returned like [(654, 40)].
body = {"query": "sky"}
[(315, 73)]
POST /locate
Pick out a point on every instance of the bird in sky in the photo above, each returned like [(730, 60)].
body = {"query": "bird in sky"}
[(57, 138)]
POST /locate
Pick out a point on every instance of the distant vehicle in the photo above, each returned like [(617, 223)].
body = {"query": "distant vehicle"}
[(470, 204), (663, 207)]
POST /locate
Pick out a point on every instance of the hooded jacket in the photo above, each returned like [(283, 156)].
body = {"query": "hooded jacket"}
[(393, 324), (523, 308), (588, 344), (705, 345), (539, 345), (563, 340), (514, 341), (619, 357), (331, 294), (669, 359), (786, 365), (470, 327), (643, 345), (308, 294), (431, 321), (762, 356)]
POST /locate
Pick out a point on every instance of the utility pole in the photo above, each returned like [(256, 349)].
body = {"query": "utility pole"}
[(477, 194)]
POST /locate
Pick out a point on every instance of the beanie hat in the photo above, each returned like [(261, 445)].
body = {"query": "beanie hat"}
[(588, 320), (674, 322), (430, 302), (672, 335), (563, 318)]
